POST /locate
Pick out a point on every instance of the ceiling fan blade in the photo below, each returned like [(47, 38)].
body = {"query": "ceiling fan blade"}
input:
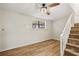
[(53, 4)]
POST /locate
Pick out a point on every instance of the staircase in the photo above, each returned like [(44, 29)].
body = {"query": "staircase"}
[(72, 46)]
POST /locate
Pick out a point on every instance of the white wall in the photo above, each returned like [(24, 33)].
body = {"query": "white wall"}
[(75, 7), (76, 18), (58, 26), (18, 30)]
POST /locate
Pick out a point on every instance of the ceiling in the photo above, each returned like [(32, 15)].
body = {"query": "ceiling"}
[(33, 9), (75, 7)]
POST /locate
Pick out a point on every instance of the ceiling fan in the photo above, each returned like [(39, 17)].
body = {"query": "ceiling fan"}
[(45, 7)]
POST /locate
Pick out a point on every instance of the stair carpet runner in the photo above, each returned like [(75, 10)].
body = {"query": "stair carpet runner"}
[(72, 46)]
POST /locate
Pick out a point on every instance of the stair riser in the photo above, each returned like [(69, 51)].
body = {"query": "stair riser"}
[(74, 32), (76, 25), (68, 54), (73, 48), (74, 36), (73, 42)]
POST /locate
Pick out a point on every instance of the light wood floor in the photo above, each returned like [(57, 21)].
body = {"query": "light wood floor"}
[(46, 48)]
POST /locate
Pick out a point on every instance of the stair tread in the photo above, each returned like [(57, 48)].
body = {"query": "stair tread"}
[(72, 52), (74, 27), (75, 30), (74, 39), (74, 45)]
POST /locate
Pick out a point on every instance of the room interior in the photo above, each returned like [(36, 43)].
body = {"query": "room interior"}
[(38, 29)]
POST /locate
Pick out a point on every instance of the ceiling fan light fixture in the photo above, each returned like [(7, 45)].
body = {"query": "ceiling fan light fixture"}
[(43, 10)]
